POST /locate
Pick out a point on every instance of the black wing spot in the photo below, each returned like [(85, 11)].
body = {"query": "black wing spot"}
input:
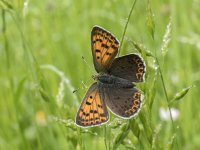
[(134, 107), (116, 42), (100, 106), (104, 45), (98, 57), (111, 37), (126, 107), (110, 41), (140, 64), (108, 53), (90, 97), (88, 103), (85, 114), (114, 47), (136, 102), (117, 97), (103, 115), (102, 119), (97, 51), (100, 40)]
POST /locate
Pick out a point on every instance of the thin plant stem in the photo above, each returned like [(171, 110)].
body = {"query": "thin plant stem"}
[(125, 28), (167, 98), (6, 44), (80, 139), (166, 95), (5, 38), (105, 138)]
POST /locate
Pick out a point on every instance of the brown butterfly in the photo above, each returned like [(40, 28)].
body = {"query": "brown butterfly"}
[(113, 86)]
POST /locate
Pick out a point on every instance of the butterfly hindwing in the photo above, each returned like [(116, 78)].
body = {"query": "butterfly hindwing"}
[(130, 67), (104, 48), (93, 110), (124, 102)]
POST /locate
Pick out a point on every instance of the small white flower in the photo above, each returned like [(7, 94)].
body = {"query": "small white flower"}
[(165, 114)]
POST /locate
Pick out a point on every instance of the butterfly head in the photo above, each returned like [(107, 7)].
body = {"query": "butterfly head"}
[(95, 77), (98, 77)]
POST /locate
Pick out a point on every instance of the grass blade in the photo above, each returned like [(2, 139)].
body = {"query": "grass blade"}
[(181, 94)]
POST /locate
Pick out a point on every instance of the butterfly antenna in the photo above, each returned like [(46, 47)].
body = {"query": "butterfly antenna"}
[(82, 85), (83, 58)]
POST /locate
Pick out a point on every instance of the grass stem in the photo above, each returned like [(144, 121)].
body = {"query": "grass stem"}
[(125, 28)]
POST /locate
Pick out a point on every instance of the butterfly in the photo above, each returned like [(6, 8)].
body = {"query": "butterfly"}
[(114, 83)]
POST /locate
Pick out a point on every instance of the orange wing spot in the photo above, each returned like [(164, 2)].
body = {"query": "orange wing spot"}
[(127, 112), (136, 95), (133, 110), (134, 107), (139, 76), (141, 67), (137, 61), (141, 70), (130, 111), (140, 64), (136, 102)]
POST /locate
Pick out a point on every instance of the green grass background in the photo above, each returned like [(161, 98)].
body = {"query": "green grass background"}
[(41, 49)]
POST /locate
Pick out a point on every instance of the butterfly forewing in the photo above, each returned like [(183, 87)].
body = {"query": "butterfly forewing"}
[(124, 102), (93, 110), (104, 48), (130, 67)]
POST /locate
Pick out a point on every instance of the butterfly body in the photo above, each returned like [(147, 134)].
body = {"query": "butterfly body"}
[(114, 83), (107, 80)]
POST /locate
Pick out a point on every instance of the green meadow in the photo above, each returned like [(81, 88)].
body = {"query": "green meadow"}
[(45, 54)]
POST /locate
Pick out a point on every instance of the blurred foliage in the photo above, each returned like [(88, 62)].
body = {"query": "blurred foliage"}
[(41, 49)]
